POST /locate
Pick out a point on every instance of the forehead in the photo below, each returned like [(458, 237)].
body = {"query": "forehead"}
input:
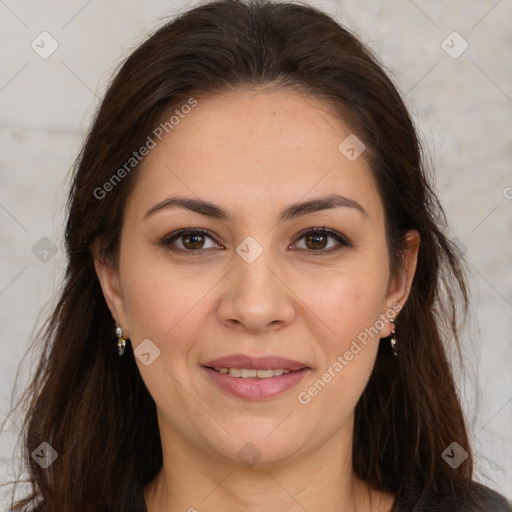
[(260, 147)]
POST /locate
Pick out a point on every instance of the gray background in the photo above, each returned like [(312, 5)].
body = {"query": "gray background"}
[(462, 107)]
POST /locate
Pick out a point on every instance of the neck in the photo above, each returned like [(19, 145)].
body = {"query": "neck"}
[(322, 478)]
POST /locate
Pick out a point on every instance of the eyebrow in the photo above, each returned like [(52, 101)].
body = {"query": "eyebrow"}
[(293, 211)]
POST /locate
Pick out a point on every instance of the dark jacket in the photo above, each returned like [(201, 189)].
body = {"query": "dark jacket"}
[(481, 499)]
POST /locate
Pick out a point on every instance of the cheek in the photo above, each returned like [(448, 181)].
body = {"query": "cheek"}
[(354, 336), (351, 310), (348, 305), (168, 311), (345, 302), (161, 303)]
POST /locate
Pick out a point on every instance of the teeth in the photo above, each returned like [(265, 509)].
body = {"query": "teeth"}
[(265, 374), (245, 373)]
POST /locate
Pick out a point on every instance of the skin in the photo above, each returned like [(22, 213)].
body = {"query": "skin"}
[(255, 152)]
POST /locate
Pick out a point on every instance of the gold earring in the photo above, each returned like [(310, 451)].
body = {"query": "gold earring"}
[(393, 338), (121, 342)]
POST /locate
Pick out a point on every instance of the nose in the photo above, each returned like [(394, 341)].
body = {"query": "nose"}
[(255, 296)]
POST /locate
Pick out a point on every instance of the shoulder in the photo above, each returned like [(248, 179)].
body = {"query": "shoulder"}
[(491, 500), (474, 497), (132, 502)]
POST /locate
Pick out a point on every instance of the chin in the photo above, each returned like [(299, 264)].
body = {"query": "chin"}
[(255, 447)]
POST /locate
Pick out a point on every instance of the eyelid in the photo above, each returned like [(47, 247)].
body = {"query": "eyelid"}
[(341, 239), (167, 240)]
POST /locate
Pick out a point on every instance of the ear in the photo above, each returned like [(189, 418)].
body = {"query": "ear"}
[(108, 276), (400, 285)]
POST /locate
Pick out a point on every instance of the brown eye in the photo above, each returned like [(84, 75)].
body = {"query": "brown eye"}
[(317, 240), (191, 240)]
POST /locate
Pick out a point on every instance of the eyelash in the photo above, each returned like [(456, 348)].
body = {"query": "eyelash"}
[(167, 240)]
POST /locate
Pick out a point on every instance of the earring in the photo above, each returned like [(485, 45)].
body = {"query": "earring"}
[(393, 338), (121, 342)]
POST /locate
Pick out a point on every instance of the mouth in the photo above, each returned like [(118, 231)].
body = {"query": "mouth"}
[(246, 373), (255, 378)]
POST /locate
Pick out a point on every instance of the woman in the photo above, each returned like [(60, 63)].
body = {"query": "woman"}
[(259, 290)]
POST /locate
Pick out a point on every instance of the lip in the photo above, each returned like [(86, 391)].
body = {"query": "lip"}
[(256, 363), (256, 388)]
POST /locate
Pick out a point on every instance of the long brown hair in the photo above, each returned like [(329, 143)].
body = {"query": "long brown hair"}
[(92, 406)]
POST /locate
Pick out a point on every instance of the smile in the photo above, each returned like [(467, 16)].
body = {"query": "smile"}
[(246, 373)]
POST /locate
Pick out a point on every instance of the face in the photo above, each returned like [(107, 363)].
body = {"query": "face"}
[(257, 289)]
